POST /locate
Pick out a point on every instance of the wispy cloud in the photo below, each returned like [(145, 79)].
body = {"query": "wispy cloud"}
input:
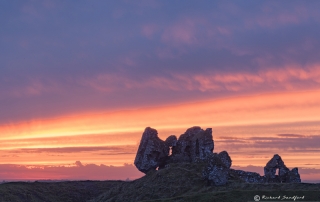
[(109, 70), (291, 135), (149, 30), (72, 140), (77, 171), (183, 32), (113, 150), (291, 77), (281, 142), (241, 110), (31, 87)]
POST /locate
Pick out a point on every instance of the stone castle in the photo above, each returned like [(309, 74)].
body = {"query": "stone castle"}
[(196, 146)]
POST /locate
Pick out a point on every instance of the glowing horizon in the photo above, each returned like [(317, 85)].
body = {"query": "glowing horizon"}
[(77, 91), (119, 146)]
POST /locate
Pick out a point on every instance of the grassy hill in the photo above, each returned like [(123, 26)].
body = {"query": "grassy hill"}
[(178, 182), (183, 182)]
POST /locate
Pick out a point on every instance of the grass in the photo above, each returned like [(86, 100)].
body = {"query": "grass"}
[(70, 191), (179, 182), (184, 182)]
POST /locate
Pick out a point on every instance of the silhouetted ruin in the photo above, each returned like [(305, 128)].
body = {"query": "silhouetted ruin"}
[(196, 146), (284, 174)]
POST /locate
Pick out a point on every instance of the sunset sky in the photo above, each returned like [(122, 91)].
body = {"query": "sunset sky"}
[(80, 81)]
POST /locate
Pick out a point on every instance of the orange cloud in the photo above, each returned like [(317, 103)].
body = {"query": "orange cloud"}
[(121, 128), (77, 171), (68, 141), (255, 109), (245, 126)]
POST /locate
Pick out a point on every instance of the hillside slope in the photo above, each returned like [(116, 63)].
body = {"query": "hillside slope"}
[(184, 182)]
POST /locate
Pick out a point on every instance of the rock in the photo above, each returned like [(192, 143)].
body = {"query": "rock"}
[(270, 173), (225, 158), (293, 176), (283, 172), (272, 166), (249, 177), (171, 141), (152, 152), (284, 175), (215, 171), (194, 144)]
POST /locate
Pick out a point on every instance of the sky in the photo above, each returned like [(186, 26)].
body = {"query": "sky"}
[(79, 83)]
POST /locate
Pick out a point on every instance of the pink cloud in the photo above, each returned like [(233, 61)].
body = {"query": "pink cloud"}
[(224, 31), (149, 30), (195, 31), (281, 78), (273, 15), (184, 32), (277, 19), (34, 87), (281, 142), (110, 82), (290, 77)]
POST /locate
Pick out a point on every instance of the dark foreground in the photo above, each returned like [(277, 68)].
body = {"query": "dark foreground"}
[(176, 183), (54, 191)]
